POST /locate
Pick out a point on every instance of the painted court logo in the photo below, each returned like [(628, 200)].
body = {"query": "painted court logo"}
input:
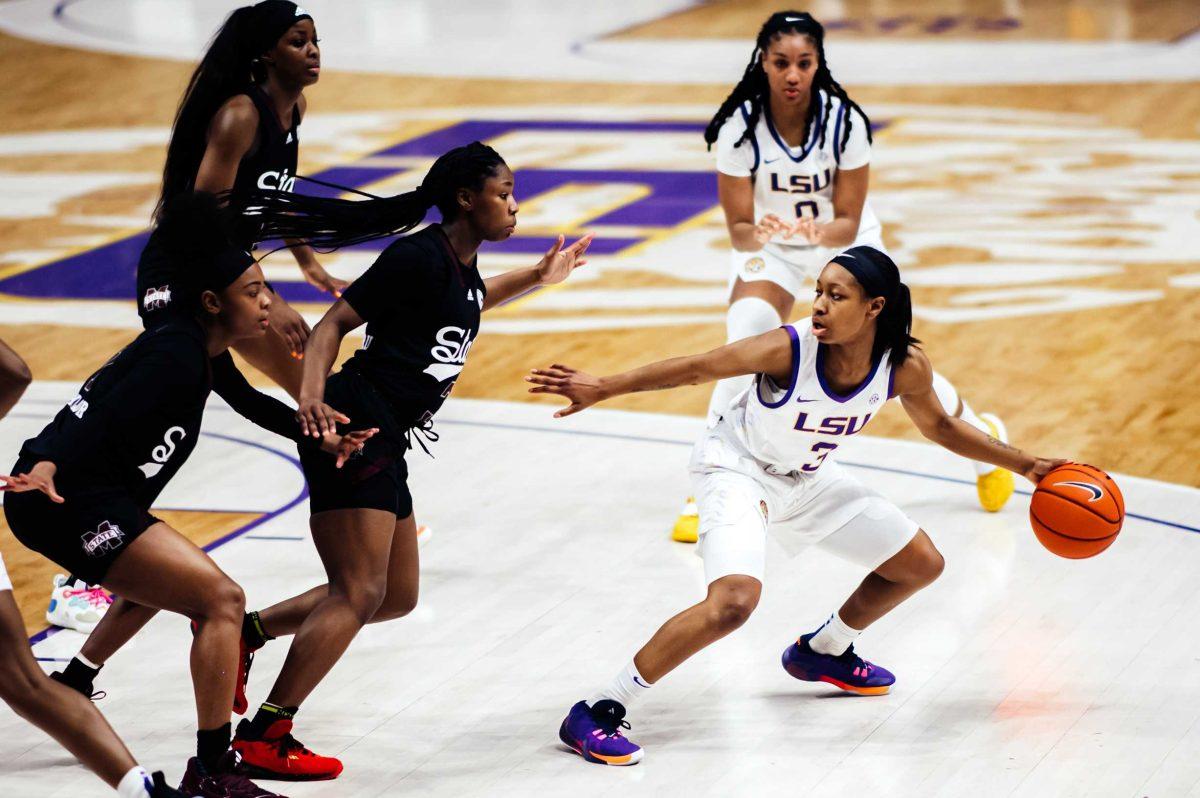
[(1097, 492), (107, 537)]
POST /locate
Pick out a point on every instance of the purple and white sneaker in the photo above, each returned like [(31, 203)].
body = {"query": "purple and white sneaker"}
[(847, 670), (595, 734)]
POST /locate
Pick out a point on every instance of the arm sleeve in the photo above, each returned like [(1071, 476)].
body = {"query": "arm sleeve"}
[(858, 149), (740, 161), (250, 403), (140, 392), (392, 280)]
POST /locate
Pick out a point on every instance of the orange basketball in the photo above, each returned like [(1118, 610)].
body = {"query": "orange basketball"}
[(1077, 511)]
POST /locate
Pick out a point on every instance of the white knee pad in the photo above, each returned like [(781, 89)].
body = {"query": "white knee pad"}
[(747, 318)]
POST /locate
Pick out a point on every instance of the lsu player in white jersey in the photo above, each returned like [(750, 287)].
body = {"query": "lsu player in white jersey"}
[(793, 158), (769, 465)]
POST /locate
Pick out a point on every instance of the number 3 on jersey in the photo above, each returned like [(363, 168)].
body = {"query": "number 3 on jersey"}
[(822, 449)]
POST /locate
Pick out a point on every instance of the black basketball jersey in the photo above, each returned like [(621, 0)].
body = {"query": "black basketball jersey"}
[(271, 163), (422, 308)]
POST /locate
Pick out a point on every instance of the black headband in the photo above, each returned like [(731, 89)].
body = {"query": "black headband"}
[(875, 272), (223, 269), (272, 19)]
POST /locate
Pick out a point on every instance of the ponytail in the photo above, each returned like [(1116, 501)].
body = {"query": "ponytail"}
[(879, 276), (327, 223)]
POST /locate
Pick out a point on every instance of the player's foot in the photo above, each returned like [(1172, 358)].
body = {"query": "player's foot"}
[(595, 734), (424, 533), (996, 486), (687, 525), (279, 755), (159, 788), (75, 605), (84, 688), (847, 670), (221, 782)]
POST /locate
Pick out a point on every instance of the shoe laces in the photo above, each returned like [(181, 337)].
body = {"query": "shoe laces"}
[(610, 717), (850, 659), (288, 743), (95, 596)]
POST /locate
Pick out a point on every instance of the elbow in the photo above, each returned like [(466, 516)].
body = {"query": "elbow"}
[(17, 376), (940, 432)]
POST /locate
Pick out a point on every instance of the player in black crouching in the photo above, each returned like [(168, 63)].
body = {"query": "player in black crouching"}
[(81, 490)]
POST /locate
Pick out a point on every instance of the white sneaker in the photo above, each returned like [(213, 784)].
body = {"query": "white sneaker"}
[(75, 605), (424, 533)]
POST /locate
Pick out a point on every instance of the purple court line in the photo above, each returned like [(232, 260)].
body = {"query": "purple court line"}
[(294, 461)]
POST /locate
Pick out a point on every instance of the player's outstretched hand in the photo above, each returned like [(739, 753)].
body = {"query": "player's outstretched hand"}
[(317, 277), (40, 477), (1041, 467), (348, 445), (558, 263), (770, 226), (582, 389), (317, 418)]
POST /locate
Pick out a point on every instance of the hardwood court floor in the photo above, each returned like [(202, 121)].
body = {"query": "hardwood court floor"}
[(1114, 385)]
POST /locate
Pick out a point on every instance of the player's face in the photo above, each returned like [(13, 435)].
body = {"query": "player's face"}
[(841, 310), (790, 63), (494, 208), (245, 305), (296, 57)]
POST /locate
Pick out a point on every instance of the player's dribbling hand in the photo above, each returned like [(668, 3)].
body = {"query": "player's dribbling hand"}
[(558, 263), (1041, 467), (348, 445), (770, 226), (40, 477), (582, 389), (317, 418), (291, 325)]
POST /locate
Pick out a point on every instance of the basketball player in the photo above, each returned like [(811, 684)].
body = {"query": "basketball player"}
[(769, 464), (421, 302), (99, 465), (793, 164)]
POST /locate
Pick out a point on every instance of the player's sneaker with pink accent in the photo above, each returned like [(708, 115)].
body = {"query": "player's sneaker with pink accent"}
[(595, 734), (847, 670), (76, 605)]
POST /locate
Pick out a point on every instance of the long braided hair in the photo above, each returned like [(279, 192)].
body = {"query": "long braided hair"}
[(753, 87), (327, 223)]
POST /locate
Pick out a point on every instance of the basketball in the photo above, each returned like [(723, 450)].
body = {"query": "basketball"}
[(1077, 511)]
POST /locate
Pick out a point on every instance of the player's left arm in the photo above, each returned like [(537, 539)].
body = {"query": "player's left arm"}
[(914, 385), (849, 196), (14, 378), (555, 267)]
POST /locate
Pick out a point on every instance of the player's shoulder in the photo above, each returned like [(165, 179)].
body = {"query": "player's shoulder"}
[(914, 374), (235, 122), (733, 127)]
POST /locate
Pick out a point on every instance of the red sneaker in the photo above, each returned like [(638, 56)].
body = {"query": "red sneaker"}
[(279, 755)]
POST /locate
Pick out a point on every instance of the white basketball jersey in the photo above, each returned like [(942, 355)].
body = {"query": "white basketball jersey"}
[(796, 428), (795, 183)]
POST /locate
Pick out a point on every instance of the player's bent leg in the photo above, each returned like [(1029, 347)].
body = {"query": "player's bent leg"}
[(120, 623), (403, 574), (61, 712)]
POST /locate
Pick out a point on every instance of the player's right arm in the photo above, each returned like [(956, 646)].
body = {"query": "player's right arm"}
[(320, 351), (230, 136), (14, 378), (769, 353)]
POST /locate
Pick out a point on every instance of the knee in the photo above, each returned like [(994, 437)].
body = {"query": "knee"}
[(225, 600), (366, 599), (20, 688), (396, 604), (732, 610), (929, 567)]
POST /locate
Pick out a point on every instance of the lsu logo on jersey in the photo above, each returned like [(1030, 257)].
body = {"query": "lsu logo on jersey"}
[(802, 184), (833, 425)]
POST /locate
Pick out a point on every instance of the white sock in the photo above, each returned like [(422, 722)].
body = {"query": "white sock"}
[(746, 318), (951, 401), (625, 688), (135, 784), (88, 662), (834, 637)]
